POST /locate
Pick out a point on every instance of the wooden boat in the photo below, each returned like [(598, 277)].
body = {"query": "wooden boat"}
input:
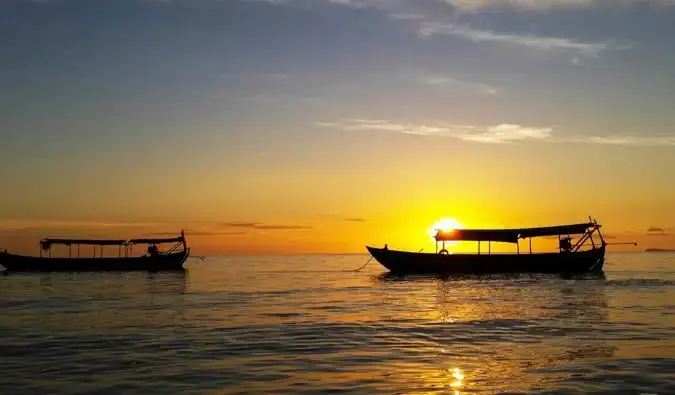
[(586, 255), (154, 260)]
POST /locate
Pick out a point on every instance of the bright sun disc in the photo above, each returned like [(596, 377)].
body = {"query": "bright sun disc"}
[(444, 224)]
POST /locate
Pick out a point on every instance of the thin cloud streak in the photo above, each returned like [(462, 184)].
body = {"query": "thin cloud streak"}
[(23, 224), (442, 81), (501, 133), (542, 5), (261, 226), (195, 233), (543, 43), (428, 22), (490, 134)]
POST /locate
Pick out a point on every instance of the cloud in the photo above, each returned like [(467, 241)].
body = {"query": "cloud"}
[(442, 81), (440, 18), (501, 133), (540, 5), (355, 220), (489, 134), (656, 231), (663, 141), (261, 226), (474, 5), (195, 233), (531, 41), (25, 224)]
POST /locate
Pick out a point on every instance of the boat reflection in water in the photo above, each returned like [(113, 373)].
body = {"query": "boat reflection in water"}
[(87, 303), (508, 333)]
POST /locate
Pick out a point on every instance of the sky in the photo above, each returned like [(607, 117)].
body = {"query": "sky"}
[(289, 126)]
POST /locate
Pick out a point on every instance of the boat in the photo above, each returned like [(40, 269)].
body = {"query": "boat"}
[(586, 255), (153, 260)]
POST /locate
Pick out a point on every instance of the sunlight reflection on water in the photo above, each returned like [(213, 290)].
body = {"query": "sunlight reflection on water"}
[(267, 325)]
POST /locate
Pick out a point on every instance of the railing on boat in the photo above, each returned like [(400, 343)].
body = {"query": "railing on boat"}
[(46, 244)]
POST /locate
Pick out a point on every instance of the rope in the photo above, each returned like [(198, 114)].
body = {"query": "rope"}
[(366, 264)]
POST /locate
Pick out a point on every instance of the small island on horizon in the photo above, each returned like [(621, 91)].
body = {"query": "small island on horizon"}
[(659, 250)]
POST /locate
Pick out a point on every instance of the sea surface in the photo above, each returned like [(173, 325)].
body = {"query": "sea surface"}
[(311, 325)]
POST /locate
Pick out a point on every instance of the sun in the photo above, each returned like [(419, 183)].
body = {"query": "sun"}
[(444, 224)]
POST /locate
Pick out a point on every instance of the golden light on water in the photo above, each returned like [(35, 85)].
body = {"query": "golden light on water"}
[(458, 376)]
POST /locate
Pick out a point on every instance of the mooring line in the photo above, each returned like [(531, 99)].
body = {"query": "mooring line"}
[(366, 264)]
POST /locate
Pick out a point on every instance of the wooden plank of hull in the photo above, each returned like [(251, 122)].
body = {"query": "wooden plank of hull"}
[(20, 263), (403, 262)]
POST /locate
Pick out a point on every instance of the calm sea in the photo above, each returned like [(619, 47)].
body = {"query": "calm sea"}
[(306, 324)]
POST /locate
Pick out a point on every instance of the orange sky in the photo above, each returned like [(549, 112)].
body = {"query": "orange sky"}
[(277, 141)]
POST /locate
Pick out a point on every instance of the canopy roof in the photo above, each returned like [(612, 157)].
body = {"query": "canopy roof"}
[(83, 242), (512, 235), (157, 241), (107, 242)]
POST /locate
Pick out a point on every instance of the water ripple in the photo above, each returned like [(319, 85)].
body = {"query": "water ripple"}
[(242, 325)]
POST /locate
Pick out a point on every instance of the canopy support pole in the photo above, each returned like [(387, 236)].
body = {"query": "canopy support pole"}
[(530, 245)]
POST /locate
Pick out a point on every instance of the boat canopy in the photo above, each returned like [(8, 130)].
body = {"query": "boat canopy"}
[(179, 239), (512, 235), (48, 242)]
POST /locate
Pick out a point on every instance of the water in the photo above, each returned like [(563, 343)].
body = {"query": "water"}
[(304, 324)]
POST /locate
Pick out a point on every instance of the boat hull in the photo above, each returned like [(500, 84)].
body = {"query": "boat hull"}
[(403, 262), (165, 262)]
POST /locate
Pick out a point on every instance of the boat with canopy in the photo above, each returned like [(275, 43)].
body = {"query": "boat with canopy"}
[(152, 260), (585, 255)]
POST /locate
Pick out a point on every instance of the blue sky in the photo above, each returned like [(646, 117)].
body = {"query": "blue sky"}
[(118, 100)]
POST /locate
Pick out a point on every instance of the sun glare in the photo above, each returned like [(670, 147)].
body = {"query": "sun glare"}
[(444, 224)]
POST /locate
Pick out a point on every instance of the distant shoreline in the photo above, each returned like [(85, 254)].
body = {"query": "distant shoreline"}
[(659, 250)]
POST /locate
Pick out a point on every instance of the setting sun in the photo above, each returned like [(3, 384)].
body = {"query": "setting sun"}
[(444, 224)]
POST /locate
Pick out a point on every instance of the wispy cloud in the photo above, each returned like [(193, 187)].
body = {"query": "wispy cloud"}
[(446, 82), (474, 5), (540, 5), (430, 20), (489, 134), (355, 220), (24, 224), (262, 226), (501, 133), (656, 231), (532, 41), (479, 5), (195, 233), (664, 141)]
